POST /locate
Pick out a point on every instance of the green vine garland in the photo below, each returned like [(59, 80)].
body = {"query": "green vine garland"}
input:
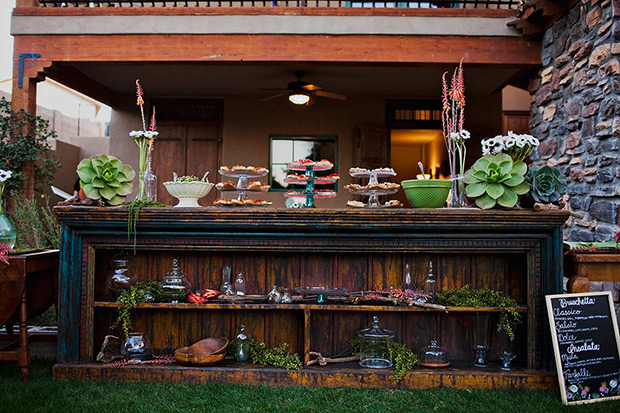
[(261, 354), (465, 296), (141, 292), (134, 209)]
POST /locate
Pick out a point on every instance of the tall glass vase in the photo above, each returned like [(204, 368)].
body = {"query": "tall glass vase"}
[(457, 194), (481, 338), (505, 348), (141, 196), (7, 232), (150, 183)]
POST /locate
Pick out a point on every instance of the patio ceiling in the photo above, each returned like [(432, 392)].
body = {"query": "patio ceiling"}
[(220, 80)]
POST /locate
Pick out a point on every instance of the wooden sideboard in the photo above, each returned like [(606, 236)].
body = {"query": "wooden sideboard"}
[(518, 252)]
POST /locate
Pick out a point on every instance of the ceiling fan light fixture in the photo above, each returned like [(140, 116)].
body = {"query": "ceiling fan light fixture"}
[(299, 98)]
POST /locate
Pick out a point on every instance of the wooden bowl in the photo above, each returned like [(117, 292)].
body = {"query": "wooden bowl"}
[(209, 346), (183, 356)]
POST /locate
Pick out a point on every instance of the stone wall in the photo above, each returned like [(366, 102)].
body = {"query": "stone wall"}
[(576, 114)]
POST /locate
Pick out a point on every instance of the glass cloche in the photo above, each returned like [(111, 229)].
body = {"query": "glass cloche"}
[(433, 356), (375, 346), (175, 285)]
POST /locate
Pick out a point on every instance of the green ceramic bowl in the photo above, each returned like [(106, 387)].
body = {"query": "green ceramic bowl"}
[(427, 193)]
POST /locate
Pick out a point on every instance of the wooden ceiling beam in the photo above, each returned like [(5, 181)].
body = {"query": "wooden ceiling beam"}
[(82, 83), (502, 51)]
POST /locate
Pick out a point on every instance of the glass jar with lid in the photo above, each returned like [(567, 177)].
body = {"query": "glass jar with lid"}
[(433, 356), (375, 345), (175, 285), (121, 276)]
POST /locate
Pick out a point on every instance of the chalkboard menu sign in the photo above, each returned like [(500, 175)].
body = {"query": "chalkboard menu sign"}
[(586, 346)]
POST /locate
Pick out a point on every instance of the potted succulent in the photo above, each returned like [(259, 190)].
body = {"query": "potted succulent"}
[(105, 179)]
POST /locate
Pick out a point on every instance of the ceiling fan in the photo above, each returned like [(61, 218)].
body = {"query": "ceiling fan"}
[(300, 92)]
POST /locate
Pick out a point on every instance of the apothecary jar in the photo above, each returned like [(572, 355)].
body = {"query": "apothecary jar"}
[(175, 285), (375, 345)]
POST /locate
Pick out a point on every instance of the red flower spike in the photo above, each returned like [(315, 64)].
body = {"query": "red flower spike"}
[(153, 125), (139, 93)]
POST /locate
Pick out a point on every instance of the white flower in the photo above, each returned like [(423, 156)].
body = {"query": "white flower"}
[(454, 136), (4, 175), (465, 134), (510, 141), (521, 142), (148, 134)]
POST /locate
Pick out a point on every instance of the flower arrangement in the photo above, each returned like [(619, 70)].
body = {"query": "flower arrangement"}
[(144, 139), (518, 147), (4, 176), (455, 137)]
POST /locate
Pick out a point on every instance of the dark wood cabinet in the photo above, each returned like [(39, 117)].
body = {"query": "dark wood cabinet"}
[(517, 252)]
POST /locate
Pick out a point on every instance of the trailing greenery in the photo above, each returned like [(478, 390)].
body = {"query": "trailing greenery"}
[(134, 209), (141, 292), (25, 138), (465, 296), (403, 358), (261, 354), (35, 225)]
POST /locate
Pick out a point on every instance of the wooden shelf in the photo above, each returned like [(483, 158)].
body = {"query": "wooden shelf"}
[(459, 376), (301, 307)]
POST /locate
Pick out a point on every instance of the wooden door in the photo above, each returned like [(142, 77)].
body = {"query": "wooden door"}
[(516, 121), (372, 147), (189, 142), (189, 149)]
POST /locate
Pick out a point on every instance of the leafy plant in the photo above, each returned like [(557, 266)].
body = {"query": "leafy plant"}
[(134, 208), (261, 354), (465, 296), (35, 225), (141, 292), (495, 179), (105, 177), (24, 138), (546, 183), (403, 358)]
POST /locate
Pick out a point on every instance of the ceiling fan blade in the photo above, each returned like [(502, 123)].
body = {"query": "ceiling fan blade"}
[(272, 97), (330, 95)]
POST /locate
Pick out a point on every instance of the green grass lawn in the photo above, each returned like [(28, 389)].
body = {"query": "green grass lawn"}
[(43, 394)]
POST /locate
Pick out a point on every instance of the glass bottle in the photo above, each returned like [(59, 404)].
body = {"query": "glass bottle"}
[(286, 297), (407, 278), (243, 346), (240, 284), (175, 284), (121, 276), (429, 284), (150, 183), (274, 295), (226, 288)]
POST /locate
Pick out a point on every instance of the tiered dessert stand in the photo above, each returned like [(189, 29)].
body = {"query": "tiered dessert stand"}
[(310, 192), (242, 181), (373, 193)]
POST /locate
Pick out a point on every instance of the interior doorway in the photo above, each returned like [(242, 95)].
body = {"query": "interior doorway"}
[(410, 146)]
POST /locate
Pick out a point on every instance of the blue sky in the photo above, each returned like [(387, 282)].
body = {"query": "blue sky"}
[(6, 41)]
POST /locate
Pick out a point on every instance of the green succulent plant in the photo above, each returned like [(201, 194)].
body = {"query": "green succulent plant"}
[(105, 177), (546, 183), (496, 180)]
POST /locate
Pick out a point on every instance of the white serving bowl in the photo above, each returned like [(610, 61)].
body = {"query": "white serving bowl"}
[(188, 193)]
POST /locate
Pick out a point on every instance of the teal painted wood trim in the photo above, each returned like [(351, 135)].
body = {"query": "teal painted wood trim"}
[(69, 296)]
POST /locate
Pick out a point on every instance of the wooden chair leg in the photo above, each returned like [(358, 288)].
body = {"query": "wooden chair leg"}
[(24, 350)]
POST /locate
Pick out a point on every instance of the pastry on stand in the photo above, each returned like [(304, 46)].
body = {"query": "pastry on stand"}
[(374, 189), (309, 179), (243, 186)]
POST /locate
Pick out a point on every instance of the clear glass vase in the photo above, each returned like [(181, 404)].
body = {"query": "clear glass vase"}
[(505, 348), (481, 338), (7, 232), (457, 193), (141, 196), (150, 183), (136, 347)]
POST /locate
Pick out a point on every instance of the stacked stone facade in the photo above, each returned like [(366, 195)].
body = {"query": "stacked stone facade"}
[(576, 114)]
